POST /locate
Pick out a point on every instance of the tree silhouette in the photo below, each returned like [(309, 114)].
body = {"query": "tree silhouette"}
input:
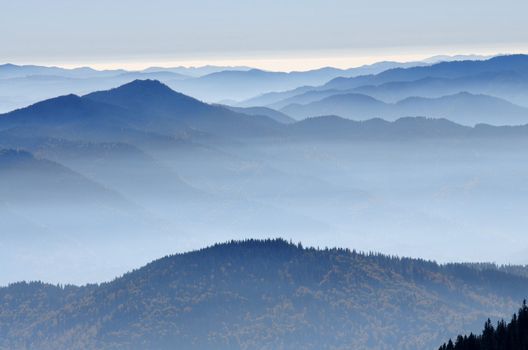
[(511, 336)]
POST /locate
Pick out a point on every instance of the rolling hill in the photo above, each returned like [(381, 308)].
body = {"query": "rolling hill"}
[(261, 294), (463, 108), (268, 112)]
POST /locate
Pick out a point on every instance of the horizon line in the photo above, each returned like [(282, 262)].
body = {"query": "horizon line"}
[(284, 64)]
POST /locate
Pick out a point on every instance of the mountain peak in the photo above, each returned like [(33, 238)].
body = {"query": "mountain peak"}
[(8, 65), (144, 95), (145, 84), (138, 88)]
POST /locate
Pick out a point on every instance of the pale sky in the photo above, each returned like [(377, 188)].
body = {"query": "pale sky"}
[(270, 34)]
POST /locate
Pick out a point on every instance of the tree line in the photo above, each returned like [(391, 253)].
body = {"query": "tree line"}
[(511, 336)]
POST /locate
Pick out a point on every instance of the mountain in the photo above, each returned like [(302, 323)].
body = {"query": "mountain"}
[(353, 106), (449, 58), (36, 189), (270, 98), (238, 85), (307, 97), (195, 71), (261, 294), (333, 127), (121, 167), (264, 111), (153, 75), (193, 172), (467, 109), (507, 85), (62, 110), (20, 92), (454, 69), (463, 108), (22, 85), (28, 181), (151, 97), (9, 70), (244, 84), (505, 77), (411, 129), (144, 105), (163, 108)]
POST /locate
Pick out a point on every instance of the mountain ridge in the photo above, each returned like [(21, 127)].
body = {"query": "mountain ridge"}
[(230, 295), (142, 104), (501, 76), (463, 107)]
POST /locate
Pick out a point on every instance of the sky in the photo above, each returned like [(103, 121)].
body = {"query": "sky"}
[(270, 34)]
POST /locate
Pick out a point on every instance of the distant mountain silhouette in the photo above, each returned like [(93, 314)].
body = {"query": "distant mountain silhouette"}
[(307, 97), (507, 85), (35, 188), (19, 71), (61, 110), (275, 97), (353, 106), (144, 105), (261, 294), (148, 112), (264, 111), (195, 71), (449, 58), (243, 84), (150, 96), (333, 127), (454, 69), (149, 148), (154, 75), (162, 108), (24, 85), (237, 85), (50, 182), (505, 77), (463, 108), (466, 108)]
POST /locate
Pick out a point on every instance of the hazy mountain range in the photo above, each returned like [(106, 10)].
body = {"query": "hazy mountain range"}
[(94, 185), (21, 85), (503, 77), (165, 170), (463, 108), (262, 294)]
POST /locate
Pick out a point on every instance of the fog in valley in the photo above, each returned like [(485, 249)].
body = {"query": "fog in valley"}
[(86, 206)]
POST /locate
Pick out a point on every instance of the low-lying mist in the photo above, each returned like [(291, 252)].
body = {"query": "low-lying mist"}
[(72, 216)]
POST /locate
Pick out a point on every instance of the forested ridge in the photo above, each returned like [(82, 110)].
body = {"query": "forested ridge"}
[(262, 294)]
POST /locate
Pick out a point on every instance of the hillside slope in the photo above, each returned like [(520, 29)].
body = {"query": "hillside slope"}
[(261, 295), (463, 108)]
